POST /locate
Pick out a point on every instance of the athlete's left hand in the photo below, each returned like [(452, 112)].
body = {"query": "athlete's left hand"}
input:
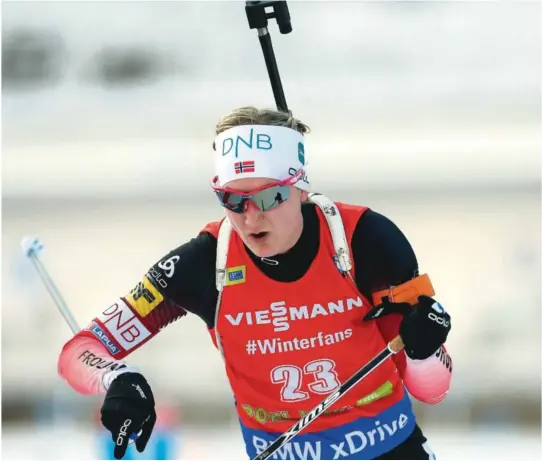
[(424, 328)]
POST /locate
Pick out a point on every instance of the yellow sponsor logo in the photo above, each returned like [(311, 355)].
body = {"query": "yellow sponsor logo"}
[(263, 416), (382, 391), (236, 275), (144, 297)]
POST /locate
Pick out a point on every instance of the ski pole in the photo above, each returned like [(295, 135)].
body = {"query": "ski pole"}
[(32, 247), (393, 347)]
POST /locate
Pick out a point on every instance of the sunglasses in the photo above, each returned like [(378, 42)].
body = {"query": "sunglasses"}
[(265, 198)]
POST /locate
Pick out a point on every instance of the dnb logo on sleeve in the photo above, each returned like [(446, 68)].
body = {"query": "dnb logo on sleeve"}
[(120, 321)]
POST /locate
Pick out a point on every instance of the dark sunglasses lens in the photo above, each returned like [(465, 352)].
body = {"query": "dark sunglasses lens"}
[(268, 199), (231, 201), (265, 200)]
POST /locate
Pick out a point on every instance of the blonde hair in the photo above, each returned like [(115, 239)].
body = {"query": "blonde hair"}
[(250, 115)]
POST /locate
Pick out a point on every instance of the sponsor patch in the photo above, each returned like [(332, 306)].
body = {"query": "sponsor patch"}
[(382, 391), (92, 360), (280, 315), (364, 438), (123, 325), (236, 275), (104, 338), (437, 307), (144, 297)]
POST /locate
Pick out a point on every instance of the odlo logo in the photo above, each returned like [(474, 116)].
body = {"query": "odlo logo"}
[(169, 265), (123, 431), (440, 320), (293, 171)]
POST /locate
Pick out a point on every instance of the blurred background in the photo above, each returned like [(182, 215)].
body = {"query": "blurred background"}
[(427, 112)]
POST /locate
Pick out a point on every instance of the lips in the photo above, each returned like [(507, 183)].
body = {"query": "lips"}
[(259, 235)]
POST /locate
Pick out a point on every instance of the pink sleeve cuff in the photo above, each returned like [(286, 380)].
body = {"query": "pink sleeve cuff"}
[(87, 366), (428, 380)]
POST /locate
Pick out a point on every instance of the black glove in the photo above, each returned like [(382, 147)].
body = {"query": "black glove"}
[(128, 408), (424, 328)]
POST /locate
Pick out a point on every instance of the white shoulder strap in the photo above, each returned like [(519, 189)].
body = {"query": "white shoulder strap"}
[(334, 222), (336, 227), (222, 246)]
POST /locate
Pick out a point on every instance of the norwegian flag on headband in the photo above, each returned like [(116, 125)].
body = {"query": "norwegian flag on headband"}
[(244, 167)]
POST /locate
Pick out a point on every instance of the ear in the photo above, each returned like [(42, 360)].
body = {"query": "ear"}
[(304, 196)]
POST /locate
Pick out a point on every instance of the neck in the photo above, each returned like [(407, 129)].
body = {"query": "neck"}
[(297, 231), (292, 264)]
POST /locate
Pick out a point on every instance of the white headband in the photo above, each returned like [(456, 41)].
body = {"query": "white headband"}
[(260, 151)]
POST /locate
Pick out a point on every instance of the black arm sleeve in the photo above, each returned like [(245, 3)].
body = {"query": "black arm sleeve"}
[(186, 276), (383, 256)]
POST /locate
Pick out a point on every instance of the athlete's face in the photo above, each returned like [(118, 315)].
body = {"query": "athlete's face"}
[(272, 232)]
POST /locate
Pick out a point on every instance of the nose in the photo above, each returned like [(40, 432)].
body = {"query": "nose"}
[(252, 213)]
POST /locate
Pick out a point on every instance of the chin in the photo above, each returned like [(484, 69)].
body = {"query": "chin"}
[(262, 251)]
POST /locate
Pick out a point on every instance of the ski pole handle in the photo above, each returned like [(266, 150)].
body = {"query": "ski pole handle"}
[(258, 15)]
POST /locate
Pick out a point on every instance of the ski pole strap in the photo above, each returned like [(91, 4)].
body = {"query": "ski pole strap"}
[(407, 292)]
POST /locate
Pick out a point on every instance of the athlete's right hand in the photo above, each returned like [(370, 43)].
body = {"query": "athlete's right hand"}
[(128, 408)]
